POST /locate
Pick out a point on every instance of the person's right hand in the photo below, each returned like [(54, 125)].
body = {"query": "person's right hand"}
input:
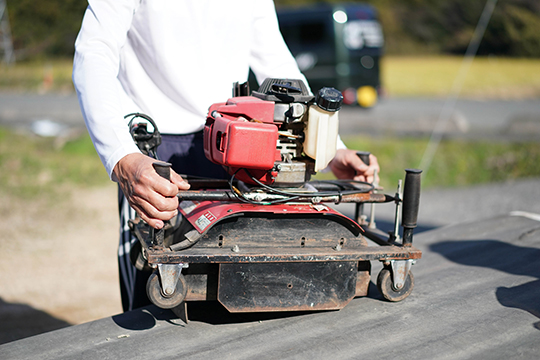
[(153, 197)]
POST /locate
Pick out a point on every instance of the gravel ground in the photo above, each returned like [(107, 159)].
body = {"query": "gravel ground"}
[(58, 265)]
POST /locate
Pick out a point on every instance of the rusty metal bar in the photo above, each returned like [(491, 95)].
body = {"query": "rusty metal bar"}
[(202, 195), (229, 196), (376, 236), (202, 183), (265, 255)]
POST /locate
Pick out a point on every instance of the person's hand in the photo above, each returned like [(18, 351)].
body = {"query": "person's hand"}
[(153, 197), (347, 165)]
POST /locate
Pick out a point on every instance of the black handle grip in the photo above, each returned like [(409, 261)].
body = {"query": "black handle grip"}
[(364, 156), (411, 198), (163, 169)]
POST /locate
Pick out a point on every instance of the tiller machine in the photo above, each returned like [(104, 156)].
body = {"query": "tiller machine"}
[(268, 239)]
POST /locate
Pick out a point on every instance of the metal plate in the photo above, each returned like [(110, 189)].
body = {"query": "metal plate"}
[(287, 286)]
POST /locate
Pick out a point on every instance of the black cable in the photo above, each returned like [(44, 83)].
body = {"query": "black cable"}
[(340, 197), (240, 195), (341, 184), (235, 191), (150, 147), (285, 193), (291, 196)]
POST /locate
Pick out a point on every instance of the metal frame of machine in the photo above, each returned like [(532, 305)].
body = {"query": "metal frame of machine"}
[(267, 240)]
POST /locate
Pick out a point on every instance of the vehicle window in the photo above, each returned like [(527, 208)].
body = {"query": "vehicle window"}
[(358, 34)]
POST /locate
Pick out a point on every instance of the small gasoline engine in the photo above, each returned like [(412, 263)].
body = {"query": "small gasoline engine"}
[(267, 239), (276, 137)]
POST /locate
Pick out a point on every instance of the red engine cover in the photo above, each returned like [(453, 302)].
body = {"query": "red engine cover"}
[(241, 134)]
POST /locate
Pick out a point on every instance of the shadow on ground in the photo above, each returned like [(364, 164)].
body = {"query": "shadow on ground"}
[(388, 226), (209, 312), (18, 321), (501, 256)]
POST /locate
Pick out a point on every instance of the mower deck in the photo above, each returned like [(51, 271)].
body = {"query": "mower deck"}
[(281, 257)]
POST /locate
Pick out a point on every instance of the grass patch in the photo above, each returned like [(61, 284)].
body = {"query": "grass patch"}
[(32, 166), (37, 76), (488, 77), (456, 163)]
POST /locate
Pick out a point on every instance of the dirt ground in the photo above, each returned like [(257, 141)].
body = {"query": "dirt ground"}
[(58, 265)]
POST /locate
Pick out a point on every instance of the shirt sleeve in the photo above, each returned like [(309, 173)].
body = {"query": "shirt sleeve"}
[(95, 76), (270, 56)]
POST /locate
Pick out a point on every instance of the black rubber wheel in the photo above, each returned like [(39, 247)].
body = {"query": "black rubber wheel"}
[(386, 288), (153, 290)]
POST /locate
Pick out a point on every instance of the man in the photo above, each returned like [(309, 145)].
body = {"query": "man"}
[(172, 59)]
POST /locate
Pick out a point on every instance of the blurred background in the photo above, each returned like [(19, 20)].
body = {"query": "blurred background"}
[(449, 86)]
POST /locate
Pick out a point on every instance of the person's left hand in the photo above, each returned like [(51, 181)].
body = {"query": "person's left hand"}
[(347, 165)]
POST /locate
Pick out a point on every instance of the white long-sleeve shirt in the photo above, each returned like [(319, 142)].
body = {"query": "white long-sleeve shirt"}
[(170, 59)]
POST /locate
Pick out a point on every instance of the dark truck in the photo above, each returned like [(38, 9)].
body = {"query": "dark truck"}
[(338, 46)]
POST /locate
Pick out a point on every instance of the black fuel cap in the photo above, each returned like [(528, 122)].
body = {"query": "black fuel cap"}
[(329, 99)]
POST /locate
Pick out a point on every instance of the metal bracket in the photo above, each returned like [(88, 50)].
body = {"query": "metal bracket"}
[(400, 270), (372, 224), (169, 275), (399, 196)]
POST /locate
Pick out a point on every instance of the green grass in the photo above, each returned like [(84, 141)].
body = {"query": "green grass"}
[(488, 77), (37, 76), (32, 166), (456, 162)]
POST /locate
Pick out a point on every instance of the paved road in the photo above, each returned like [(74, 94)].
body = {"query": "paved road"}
[(412, 116), (476, 296), (21, 110), (515, 120)]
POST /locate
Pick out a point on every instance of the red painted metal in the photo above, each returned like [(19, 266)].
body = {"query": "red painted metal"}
[(249, 107), (241, 134), (202, 215), (238, 143)]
